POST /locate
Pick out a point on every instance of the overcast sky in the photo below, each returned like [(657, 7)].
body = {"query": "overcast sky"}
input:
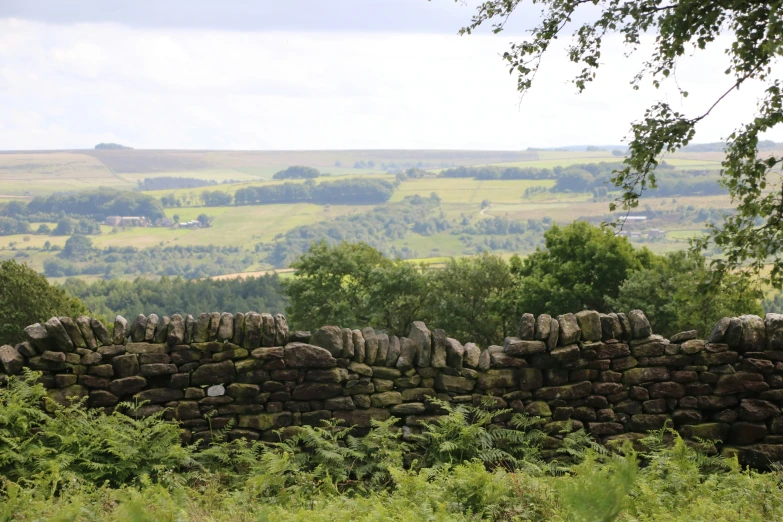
[(310, 74)]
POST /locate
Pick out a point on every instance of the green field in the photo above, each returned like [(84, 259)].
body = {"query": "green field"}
[(24, 174)]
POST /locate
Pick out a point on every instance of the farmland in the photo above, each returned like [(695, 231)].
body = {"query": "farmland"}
[(465, 200)]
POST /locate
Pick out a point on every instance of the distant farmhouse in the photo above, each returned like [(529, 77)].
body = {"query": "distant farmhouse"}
[(127, 221)]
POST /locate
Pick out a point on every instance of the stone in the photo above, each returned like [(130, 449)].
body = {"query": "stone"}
[(161, 334), (101, 370), (667, 390), (214, 373), (360, 368), (733, 336), (121, 330), (640, 326), (393, 352), (757, 410), (600, 429), (370, 345), (281, 330), (102, 399), (66, 396), (149, 328), (569, 329), (624, 363), (692, 346), (11, 360), (527, 327), (554, 335), (543, 328), (57, 334), (740, 382), (382, 400), (339, 403), (626, 327), (530, 379), (408, 408), (26, 349), (329, 338), (58, 357), (225, 330), (497, 379), (753, 333), (485, 360), (146, 348), (190, 328), (514, 346), (268, 333), (37, 336), (642, 375), (153, 370), (266, 421), (684, 336), (214, 326), (648, 422), (610, 327), (438, 348), (566, 392), (719, 331), (335, 375), (421, 336), (216, 390), (472, 356), (408, 355), (359, 345), (138, 329), (299, 355), (73, 332), (611, 351), (716, 431), (176, 330), (565, 354), (316, 390), (127, 385), (773, 326), (747, 432), (453, 384), (686, 416), (757, 365), (590, 324), (201, 332), (417, 394), (252, 336)]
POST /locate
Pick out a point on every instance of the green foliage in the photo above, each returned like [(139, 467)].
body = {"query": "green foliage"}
[(77, 247), (297, 172), (99, 203), (167, 296), (581, 267), (27, 298), (751, 237), (675, 294), (360, 191)]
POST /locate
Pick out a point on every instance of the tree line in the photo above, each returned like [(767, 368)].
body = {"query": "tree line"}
[(99, 204), (358, 191)]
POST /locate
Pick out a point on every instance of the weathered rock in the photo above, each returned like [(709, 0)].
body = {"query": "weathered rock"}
[(370, 345), (329, 375), (225, 330), (11, 360), (316, 390), (543, 327), (438, 348), (176, 330), (57, 334), (718, 331), (125, 365), (300, 355), (753, 333), (497, 379), (201, 332), (590, 324), (611, 351), (359, 346), (347, 351), (360, 368), (485, 360), (408, 355), (422, 339), (773, 325), (121, 331), (564, 354), (252, 331), (648, 422), (626, 326), (190, 328), (266, 421), (161, 335), (383, 348), (149, 328), (65, 396), (569, 329), (530, 379), (455, 353), (38, 337), (127, 385), (684, 336), (214, 373), (747, 432), (514, 346), (409, 408), (554, 335), (238, 337), (394, 351), (733, 336), (667, 390), (268, 333), (640, 326), (281, 330), (214, 326), (139, 329), (472, 356), (740, 382), (757, 410), (611, 327), (385, 399), (453, 384), (692, 346), (156, 369), (527, 327), (707, 431), (567, 392), (73, 332), (642, 375)]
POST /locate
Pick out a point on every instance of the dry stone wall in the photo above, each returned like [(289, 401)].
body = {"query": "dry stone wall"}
[(606, 373)]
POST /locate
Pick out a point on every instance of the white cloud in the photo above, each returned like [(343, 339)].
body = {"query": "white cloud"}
[(71, 86)]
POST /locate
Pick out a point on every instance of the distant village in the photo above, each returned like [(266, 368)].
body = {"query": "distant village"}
[(141, 221)]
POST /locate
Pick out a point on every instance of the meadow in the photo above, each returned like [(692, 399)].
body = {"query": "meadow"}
[(26, 174)]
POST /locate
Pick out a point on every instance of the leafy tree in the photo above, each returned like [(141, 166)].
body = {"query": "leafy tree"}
[(331, 285), (64, 227), (472, 299), (77, 247), (297, 172), (675, 296), (580, 267), (753, 31), (203, 219), (26, 298), (43, 228)]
